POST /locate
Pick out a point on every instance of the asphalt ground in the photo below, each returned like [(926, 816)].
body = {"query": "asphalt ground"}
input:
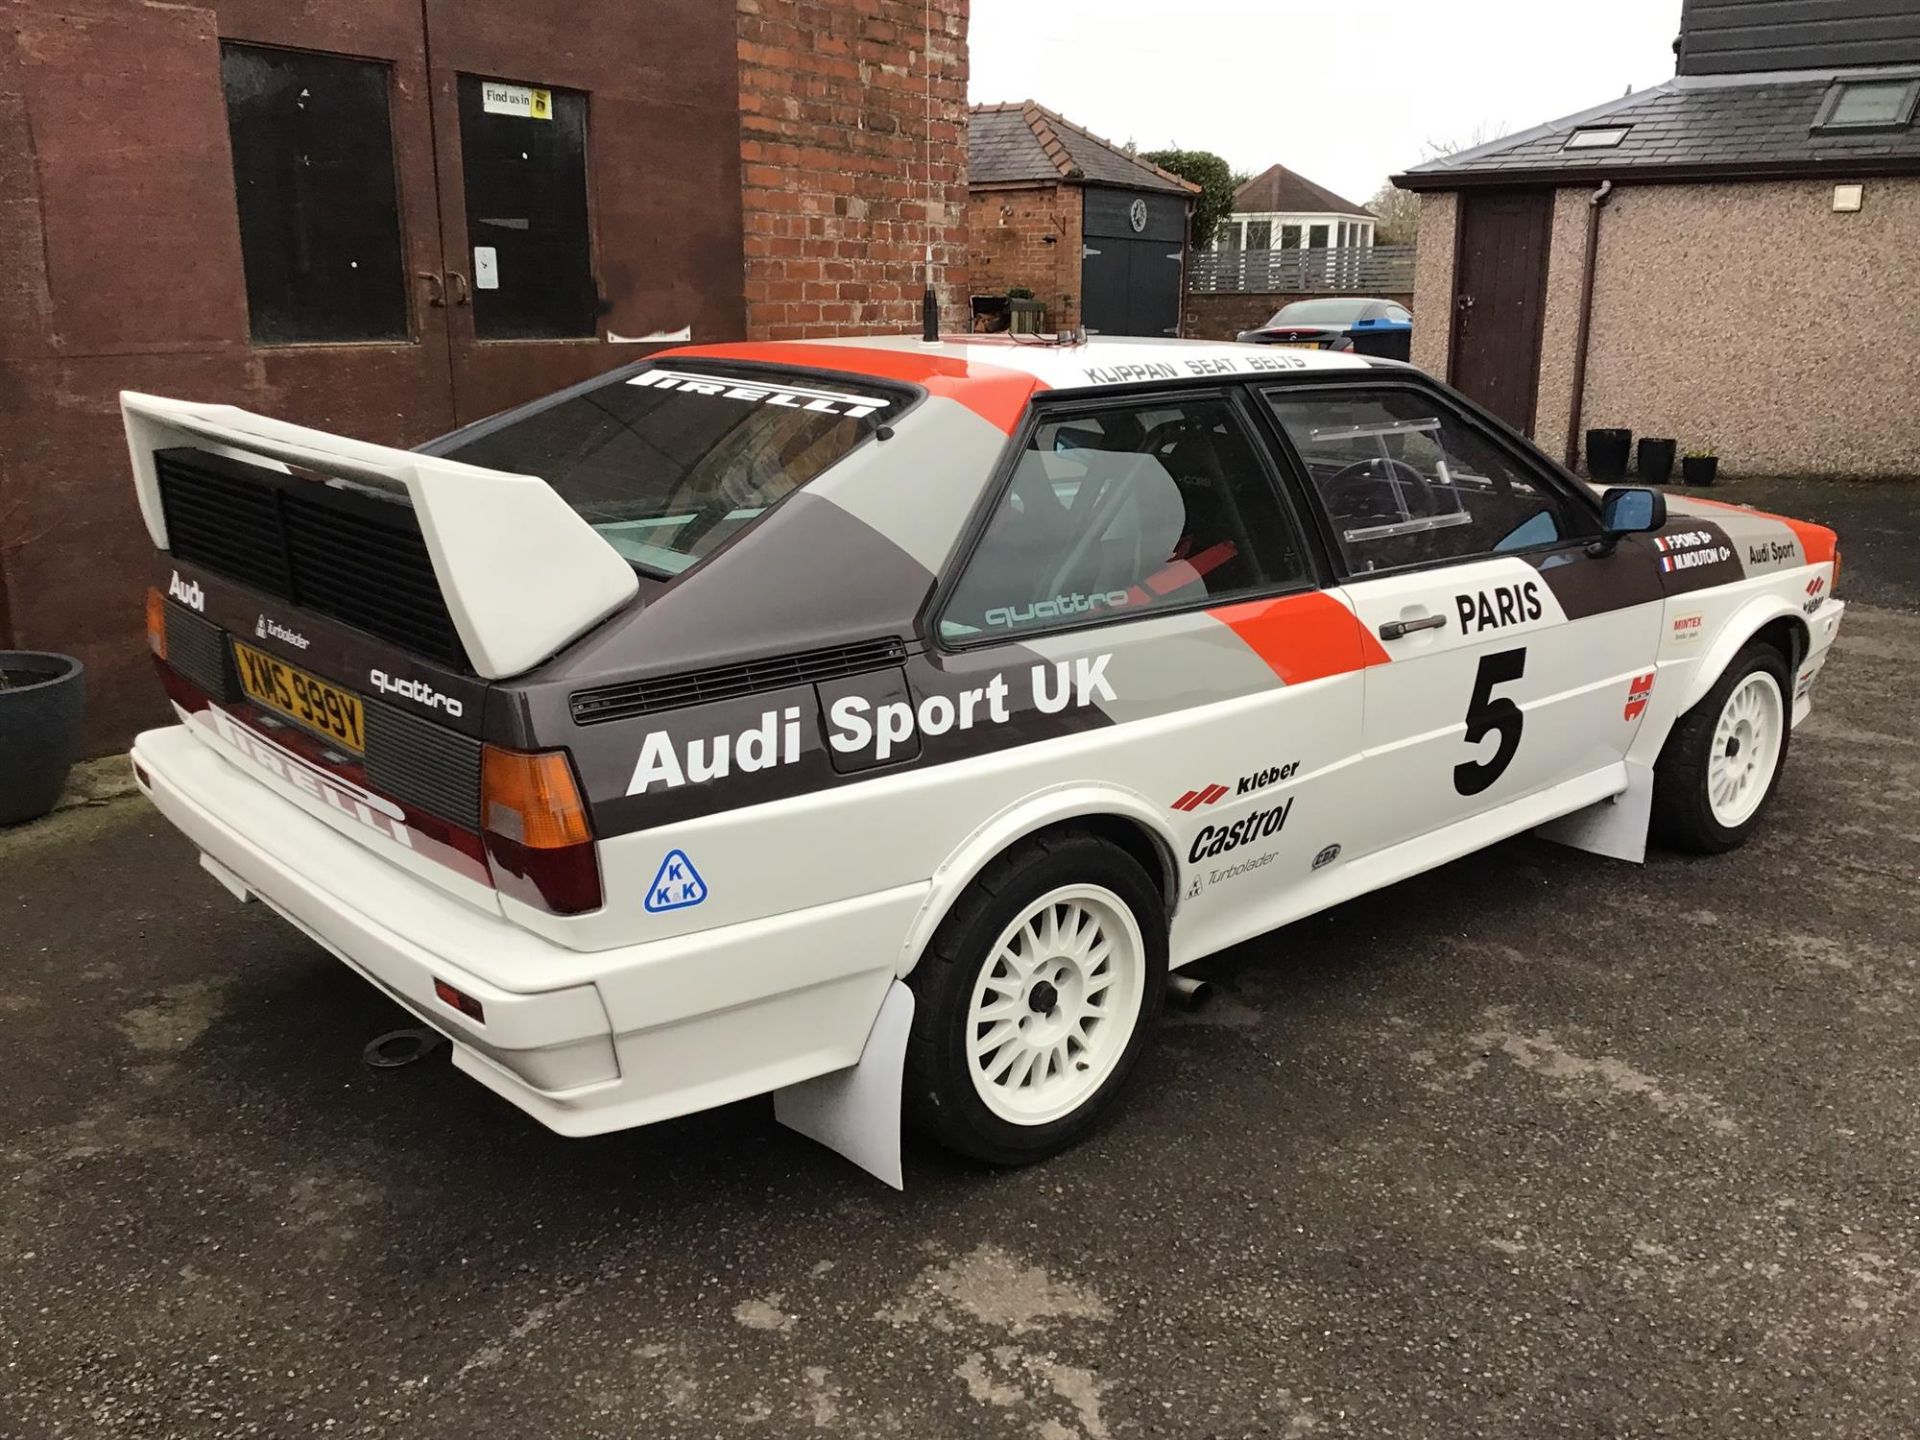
[(1533, 1145)]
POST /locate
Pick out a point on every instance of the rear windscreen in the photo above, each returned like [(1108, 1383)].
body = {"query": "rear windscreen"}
[(670, 463)]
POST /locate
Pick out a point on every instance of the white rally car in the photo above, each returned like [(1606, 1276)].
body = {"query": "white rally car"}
[(879, 722)]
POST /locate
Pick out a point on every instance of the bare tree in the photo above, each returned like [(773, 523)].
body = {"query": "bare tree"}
[(1399, 210), (1399, 215)]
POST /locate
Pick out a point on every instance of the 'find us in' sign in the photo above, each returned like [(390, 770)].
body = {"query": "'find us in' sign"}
[(522, 100)]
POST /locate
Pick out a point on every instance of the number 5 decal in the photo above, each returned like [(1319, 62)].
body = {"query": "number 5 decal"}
[(1485, 715)]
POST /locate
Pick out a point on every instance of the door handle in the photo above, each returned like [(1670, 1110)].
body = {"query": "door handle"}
[(436, 293), (1396, 629), (459, 282)]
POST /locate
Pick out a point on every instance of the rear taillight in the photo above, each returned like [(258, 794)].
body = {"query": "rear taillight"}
[(538, 837), (156, 622)]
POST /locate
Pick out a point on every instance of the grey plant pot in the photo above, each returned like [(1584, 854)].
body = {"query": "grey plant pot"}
[(40, 711)]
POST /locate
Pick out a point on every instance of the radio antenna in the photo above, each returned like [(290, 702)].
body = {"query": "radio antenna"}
[(929, 302)]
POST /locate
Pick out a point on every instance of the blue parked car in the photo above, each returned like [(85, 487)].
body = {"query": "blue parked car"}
[(1371, 327)]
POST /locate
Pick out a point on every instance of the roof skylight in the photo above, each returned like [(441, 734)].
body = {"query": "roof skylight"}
[(1596, 137)]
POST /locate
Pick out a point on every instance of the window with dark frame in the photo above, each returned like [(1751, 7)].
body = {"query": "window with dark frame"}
[(319, 208), (523, 157), (1869, 104), (1121, 512)]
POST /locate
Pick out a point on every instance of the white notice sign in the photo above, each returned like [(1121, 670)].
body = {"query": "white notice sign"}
[(486, 268), (521, 100)]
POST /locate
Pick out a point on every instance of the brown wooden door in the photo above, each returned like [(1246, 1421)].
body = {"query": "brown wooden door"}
[(589, 179), (1499, 301), (329, 347)]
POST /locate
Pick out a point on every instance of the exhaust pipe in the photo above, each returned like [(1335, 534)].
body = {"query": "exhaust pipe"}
[(1189, 992)]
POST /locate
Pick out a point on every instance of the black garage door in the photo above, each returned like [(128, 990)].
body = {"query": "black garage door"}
[(1130, 268)]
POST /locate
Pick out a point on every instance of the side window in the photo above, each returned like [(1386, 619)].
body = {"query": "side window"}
[(1130, 509), (1405, 482), (319, 212)]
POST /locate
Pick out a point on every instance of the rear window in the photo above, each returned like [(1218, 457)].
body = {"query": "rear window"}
[(1320, 312), (670, 463)]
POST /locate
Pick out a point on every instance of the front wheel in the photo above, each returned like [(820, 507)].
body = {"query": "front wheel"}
[(1723, 760), (1035, 999)]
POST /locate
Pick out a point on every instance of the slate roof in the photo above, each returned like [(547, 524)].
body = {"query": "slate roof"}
[(1277, 190), (1011, 144), (1695, 127)]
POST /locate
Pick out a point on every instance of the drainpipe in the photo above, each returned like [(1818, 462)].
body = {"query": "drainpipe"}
[(1596, 202)]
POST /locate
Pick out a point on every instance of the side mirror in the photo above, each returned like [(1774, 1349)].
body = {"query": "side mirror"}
[(1627, 510)]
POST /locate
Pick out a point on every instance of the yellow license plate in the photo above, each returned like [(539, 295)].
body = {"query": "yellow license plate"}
[(333, 712), (1299, 344)]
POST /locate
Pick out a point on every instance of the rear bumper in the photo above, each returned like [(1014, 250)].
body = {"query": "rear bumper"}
[(640, 1033)]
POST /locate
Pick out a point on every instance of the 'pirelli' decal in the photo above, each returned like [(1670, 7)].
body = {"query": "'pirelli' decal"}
[(788, 397)]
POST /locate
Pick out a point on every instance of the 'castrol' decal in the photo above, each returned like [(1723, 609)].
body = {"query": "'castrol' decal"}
[(861, 727)]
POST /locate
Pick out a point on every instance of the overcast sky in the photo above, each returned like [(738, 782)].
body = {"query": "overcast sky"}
[(1344, 93)]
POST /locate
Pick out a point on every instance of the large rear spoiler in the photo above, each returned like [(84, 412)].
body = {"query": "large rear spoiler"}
[(522, 574)]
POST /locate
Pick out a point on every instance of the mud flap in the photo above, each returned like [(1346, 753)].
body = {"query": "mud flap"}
[(1615, 827), (856, 1112)]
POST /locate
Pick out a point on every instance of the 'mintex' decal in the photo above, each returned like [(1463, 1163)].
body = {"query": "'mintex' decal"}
[(856, 725)]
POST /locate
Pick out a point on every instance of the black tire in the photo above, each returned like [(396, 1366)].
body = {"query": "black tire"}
[(940, 1099), (1683, 817)]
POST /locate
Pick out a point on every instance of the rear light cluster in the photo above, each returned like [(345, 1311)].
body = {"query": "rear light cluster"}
[(534, 823), (156, 622)]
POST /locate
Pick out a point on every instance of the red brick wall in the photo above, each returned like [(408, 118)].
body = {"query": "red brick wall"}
[(833, 148), (1007, 234)]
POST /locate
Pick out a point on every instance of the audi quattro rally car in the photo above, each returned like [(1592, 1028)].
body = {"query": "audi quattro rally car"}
[(877, 721)]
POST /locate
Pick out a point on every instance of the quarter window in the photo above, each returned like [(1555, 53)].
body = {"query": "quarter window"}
[(1406, 482), (1124, 512)]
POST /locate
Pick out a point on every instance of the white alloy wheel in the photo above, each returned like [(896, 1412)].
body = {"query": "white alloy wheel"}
[(1746, 749), (1055, 1003)]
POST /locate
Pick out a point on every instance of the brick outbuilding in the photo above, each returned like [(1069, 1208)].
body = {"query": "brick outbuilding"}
[(1098, 235)]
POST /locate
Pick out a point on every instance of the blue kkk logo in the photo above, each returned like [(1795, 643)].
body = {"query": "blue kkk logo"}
[(677, 886)]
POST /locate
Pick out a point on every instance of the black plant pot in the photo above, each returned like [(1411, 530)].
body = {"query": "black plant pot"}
[(1656, 461), (1608, 452), (40, 709), (1699, 469)]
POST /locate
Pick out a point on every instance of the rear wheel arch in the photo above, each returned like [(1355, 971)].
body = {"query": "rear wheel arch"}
[(1124, 821)]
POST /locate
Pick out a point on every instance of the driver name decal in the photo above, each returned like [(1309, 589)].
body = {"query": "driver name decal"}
[(1690, 549)]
